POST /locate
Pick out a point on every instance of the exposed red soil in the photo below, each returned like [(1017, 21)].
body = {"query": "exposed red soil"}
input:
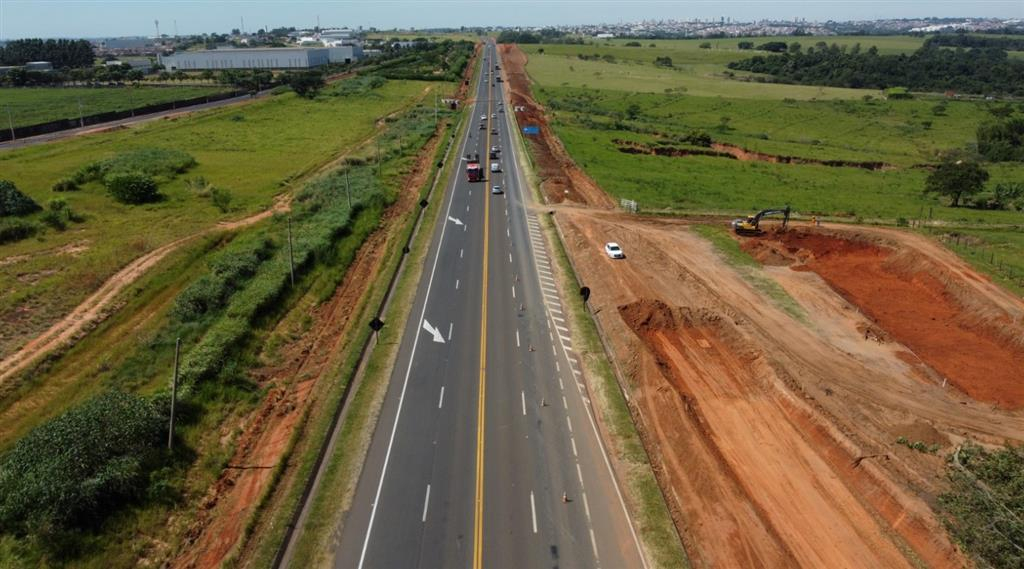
[(561, 179), (733, 152), (772, 438), (229, 505), (917, 309)]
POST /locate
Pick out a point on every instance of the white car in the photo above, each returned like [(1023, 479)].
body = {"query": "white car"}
[(494, 115), (496, 190), (495, 167), (614, 251), (483, 117)]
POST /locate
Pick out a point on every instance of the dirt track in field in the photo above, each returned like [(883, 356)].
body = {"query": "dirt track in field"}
[(770, 398)]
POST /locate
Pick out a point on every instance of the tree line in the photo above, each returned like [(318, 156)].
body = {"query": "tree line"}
[(965, 40), (61, 53), (980, 70)]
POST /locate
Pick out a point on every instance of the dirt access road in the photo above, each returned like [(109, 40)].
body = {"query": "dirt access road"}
[(770, 398)]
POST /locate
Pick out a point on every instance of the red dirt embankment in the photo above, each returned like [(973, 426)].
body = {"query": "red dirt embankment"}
[(561, 179), (733, 152), (789, 498), (976, 354)]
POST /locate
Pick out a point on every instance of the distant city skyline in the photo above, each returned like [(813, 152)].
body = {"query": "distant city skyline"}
[(94, 18)]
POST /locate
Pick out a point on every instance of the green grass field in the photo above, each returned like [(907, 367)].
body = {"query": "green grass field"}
[(34, 105), (254, 152), (903, 133), (701, 73)]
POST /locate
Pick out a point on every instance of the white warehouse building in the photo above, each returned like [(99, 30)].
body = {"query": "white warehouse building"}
[(259, 58)]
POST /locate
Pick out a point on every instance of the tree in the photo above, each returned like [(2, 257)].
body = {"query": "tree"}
[(746, 45), (705, 45), (773, 46), (13, 202), (632, 111), (795, 47), (955, 177), (305, 84), (663, 61)]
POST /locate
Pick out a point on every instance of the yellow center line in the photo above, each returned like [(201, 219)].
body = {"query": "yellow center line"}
[(478, 517)]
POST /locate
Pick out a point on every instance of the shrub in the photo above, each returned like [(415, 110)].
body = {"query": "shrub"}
[(167, 163), (985, 504), (663, 61), (68, 472), (221, 198), (132, 187), (227, 273), (199, 186), (13, 202), (12, 230), (65, 185)]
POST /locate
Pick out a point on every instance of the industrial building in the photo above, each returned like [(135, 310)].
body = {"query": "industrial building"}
[(253, 58)]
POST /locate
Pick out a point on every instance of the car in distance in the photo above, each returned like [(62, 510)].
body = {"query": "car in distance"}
[(496, 190), (494, 115), (495, 167), (483, 117), (614, 251)]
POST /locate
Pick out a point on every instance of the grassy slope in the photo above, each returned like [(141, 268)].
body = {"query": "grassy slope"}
[(252, 152), (92, 366), (36, 105)]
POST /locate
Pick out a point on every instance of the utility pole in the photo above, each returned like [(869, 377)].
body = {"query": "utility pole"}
[(348, 190), (10, 122), (81, 118), (174, 393), (291, 253)]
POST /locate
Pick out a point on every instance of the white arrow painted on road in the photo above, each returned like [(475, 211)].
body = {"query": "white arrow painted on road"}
[(436, 333), (455, 220)]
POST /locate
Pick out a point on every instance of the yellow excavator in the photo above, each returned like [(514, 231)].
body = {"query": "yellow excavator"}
[(750, 224)]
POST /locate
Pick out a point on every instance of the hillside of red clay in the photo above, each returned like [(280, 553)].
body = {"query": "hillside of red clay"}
[(561, 180), (773, 434), (980, 356)]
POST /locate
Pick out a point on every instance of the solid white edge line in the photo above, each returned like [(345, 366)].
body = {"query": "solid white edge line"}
[(408, 369), (590, 417), (426, 503), (517, 339), (440, 400), (523, 394), (533, 511)]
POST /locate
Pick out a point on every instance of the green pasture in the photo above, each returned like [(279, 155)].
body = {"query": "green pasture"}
[(34, 105), (899, 132), (254, 151), (700, 76)]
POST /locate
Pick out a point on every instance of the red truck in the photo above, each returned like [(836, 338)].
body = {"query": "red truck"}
[(473, 172)]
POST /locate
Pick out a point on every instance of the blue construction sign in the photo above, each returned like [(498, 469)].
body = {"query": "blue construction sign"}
[(531, 130)]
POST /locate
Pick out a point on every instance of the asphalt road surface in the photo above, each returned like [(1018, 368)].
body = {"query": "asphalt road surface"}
[(485, 453)]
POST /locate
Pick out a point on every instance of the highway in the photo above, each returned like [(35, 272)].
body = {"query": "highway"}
[(485, 453)]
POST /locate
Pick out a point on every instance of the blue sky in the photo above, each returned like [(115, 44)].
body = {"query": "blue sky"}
[(94, 18)]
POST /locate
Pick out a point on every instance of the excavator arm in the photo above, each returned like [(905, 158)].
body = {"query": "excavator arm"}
[(750, 225)]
